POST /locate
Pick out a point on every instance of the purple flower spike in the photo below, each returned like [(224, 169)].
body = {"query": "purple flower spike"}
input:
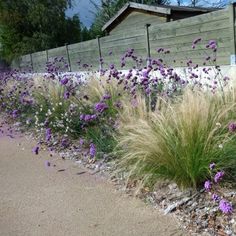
[(106, 96), (15, 114), (207, 185), (66, 95), (219, 176), (81, 141), (215, 197), (225, 207), (197, 40), (92, 150), (48, 134), (100, 107), (212, 166), (82, 116), (64, 81), (35, 150), (232, 127)]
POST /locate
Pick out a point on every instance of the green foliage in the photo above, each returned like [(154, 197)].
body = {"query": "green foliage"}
[(52, 107)]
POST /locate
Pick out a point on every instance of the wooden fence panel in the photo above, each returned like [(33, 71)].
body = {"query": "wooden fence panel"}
[(176, 36), (84, 53)]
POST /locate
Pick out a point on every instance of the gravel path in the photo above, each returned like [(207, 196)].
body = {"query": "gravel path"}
[(37, 200)]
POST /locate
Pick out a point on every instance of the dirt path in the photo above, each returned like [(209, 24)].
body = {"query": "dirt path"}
[(36, 200)]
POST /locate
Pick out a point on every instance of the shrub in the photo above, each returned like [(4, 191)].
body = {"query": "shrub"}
[(54, 108), (178, 143), (102, 99)]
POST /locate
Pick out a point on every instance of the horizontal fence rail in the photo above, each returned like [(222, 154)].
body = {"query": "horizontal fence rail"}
[(176, 36)]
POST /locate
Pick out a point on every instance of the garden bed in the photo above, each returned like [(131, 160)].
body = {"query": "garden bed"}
[(168, 139)]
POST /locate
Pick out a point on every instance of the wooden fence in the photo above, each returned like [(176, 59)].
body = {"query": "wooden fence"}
[(177, 36)]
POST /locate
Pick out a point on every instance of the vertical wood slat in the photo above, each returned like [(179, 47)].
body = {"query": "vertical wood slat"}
[(100, 53), (232, 32), (68, 57), (148, 44), (31, 61)]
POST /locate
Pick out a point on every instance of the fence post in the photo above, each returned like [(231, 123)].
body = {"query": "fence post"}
[(100, 54), (47, 55), (148, 63), (31, 61), (148, 44), (232, 30), (68, 57)]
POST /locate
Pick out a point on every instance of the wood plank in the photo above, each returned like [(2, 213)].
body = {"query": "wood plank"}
[(163, 34), (204, 18), (124, 43), (232, 29), (85, 44), (163, 40)]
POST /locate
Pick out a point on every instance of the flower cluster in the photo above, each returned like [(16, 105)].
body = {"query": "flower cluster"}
[(212, 45), (100, 107), (195, 42), (232, 127), (92, 150), (210, 186), (88, 118)]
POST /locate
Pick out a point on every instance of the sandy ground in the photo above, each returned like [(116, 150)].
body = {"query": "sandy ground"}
[(37, 200)]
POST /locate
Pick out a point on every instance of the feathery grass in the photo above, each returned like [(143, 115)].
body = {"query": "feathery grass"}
[(179, 142)]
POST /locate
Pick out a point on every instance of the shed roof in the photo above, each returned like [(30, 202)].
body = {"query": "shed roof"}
[(162, 9)]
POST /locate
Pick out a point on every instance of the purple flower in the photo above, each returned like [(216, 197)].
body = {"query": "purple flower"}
[(48, 134), (207, 185), (160, 50), (100, 107), (15, 113), (93, 117), (118, 104), (212, 166), (64, 81), (197, 40), (232, 127), (106, 96), (81, 141), (92, 150), (215, 197), (87, 118), (82, 116), (64, 143), (66, 95), (219, 176), (35, 150), (225, 207)]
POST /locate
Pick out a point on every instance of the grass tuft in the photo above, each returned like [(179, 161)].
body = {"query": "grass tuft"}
[(180, 141)]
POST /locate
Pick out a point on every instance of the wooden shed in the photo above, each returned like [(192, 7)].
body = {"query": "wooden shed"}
[(136, 16)]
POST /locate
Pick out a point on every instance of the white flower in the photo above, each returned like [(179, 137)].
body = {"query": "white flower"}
[(221, 146)]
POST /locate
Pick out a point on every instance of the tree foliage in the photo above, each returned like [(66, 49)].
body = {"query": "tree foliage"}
[(32, 25)]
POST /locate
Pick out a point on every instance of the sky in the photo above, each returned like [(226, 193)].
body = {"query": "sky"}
[(85, 9)]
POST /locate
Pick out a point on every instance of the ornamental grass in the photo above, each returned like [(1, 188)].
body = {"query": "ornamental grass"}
[(178, 141)]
